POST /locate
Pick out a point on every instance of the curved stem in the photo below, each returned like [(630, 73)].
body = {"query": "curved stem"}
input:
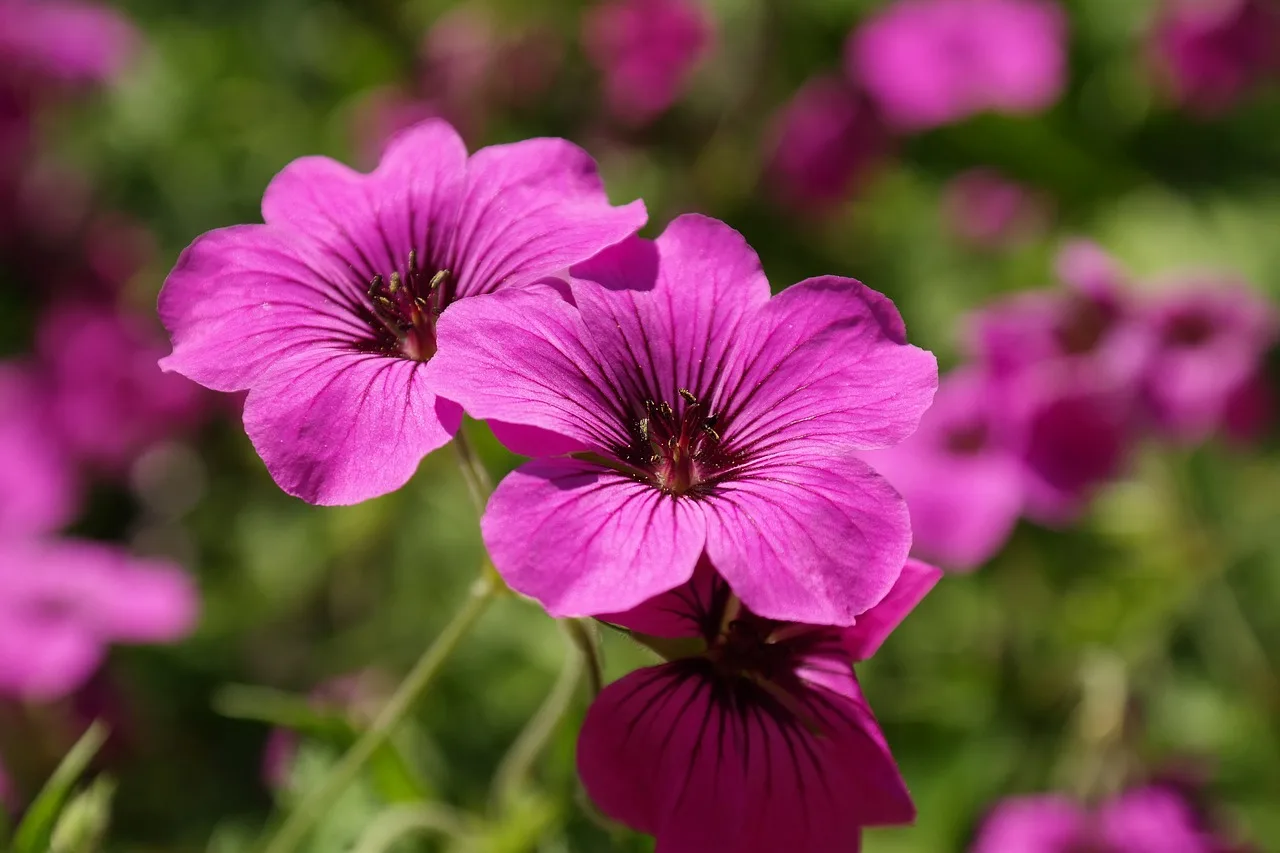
[(394, 824), (479, 483), (526, 748), (308, 812), (586, 636)]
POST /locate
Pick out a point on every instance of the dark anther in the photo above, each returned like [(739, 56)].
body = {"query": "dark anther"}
[(406, 307)]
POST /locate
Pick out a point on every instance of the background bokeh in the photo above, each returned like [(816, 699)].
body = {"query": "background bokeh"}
[(1167, 590)]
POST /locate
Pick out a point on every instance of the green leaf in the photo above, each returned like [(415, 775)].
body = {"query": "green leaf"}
[(82, 826), (35, 832)]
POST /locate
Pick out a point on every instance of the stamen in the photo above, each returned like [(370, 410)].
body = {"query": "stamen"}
[(406, 307)]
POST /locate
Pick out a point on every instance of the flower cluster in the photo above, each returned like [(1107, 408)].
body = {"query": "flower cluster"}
[(695, 440), (1213, 52), (1060, 385)]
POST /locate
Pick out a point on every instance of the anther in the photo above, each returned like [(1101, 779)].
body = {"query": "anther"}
[(688, 396)]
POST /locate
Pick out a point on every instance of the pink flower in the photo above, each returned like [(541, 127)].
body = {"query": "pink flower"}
[(1154, 819), (700, 414), (646, 50), (327, 313), (38, 490), (963, 483), (63, 602), (823, 143), (989, 211), (1214, 51), (1211, 338), (934, 62), (108, 400), (62, 40), (755, 737)]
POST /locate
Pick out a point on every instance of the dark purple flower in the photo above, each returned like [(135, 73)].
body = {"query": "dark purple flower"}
[(964, 485), (327, 313), (63, 602), (933, 62), (38, 489), (1154, 819), (109, 401), (1210, 340), (646, 50), (700, 414), (1214, 51), (755, 736), (823, 143), (989, 211)]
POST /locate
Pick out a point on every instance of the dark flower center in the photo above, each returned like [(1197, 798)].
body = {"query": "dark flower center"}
[(966, 439), (1188, 331), (404, 310), (745, 649), (678, 448), (1084, 325)]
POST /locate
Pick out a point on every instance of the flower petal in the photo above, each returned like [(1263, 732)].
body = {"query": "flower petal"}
[(692, 609), (668, 313), (584, 540), (829, 365), (710, 766), (816, 539), (530, 209), (521, 358), (873, 626), (337, 427), (1047, 824)]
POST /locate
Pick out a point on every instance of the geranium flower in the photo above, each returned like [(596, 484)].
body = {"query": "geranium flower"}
[(754, 738), (1214, 51), (63, 41), (38, 489), (701, 414), (327, 313), (63, 602)]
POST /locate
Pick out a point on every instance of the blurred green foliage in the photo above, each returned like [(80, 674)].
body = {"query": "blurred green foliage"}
[(1174, 577)]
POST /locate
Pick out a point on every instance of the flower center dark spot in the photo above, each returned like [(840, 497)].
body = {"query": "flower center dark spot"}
[(404, 310), (744, 648), (1083, 326), (678, 448), (966, 439), (1188, 331)]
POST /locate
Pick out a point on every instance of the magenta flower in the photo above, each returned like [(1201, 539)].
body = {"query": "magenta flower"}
[(63, 602), (824, 142), (962, 482), (109, 401), (1154, 819), (646, 50), (701, 414), (989, 211), (63, 41), (1214, 51), (327, 313), (1211, 338), (38, 490), (755, 737), (933, 62)]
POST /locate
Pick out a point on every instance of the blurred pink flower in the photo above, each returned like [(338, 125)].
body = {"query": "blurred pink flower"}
[(646, 50), (962, 482), (62, 602), (754, 739), (1154, 819), (1214, 51), (1211, 337), (63, 40), (109, 400), (933, 62), (823, 142), (38, 489), (989, 211)]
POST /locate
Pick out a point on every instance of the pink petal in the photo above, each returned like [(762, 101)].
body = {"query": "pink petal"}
[(42, 663), (1047, 824), (1151, 820), (337, 427), (584, 540), (678, 612), (38, 491), (830, 366), (710, 767), (816, 539), (873, 626)]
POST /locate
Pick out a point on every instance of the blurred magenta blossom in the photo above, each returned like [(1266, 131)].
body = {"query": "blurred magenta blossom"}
[(328, 312), (1154, 819), (755, 738), (988, 210), (63, 41), (823, 143), (39, 490), (702, 415), (62, 602), (108, 400), (646, 50), (933, 62), (1213, 52)]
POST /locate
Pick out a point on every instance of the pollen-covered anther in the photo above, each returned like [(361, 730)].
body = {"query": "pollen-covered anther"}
[(676, 447), (407, 306)]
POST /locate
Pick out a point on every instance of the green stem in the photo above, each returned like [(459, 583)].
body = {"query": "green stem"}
[(394, 824), (586, 636), (318, 800), (479, 483)]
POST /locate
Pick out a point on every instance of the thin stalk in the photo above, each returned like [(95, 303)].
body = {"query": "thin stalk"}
[(586, 636), (396, 823), (303, 818)]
